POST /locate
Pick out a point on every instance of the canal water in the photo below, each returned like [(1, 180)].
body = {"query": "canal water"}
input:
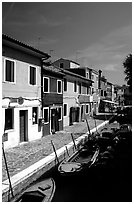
[(101, 184)]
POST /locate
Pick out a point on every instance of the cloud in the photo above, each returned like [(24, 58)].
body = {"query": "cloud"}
[(34, 18), (110, 51), (110, 67)]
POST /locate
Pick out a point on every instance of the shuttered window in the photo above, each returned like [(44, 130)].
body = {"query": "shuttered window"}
[(46, 115), (65, 109), (32, 75), (9, 71), (45, 84), (9, 115), (59, 86), (75, 86)]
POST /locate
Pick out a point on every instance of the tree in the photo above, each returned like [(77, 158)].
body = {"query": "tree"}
[(128, 70)]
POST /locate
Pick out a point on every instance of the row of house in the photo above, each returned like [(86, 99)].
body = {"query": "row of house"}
[(39, 99)]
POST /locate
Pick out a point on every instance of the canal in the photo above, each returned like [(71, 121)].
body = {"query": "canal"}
[(97, 184)]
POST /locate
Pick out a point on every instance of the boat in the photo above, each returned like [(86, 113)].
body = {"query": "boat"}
[(42, 191), (78, 162)]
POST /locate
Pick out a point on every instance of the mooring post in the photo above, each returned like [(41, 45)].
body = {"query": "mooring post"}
[(10, 185), (73, 141), (67, 151), (55, 152)]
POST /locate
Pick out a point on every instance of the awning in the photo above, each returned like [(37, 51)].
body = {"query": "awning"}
[(106, 101)]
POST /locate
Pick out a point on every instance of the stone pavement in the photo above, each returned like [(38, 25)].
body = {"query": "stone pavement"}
[(26, 154)]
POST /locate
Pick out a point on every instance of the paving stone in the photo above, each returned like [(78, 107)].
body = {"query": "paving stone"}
[(26, 154)]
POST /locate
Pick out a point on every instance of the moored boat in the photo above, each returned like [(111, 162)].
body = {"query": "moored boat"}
[(78, 162), (42, 191)]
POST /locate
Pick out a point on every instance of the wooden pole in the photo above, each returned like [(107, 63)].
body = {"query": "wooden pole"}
[(55, 152), (67, 151), (10, 185), (88, 128), (73, 141), (96, 125)]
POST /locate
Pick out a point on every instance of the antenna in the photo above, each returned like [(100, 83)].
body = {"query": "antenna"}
[(39, 42)]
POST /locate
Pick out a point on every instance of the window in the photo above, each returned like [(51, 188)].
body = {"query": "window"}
[(59, 113), (32, 75), (75, 86), (87, 109), (101, 92), (87, 75), (9, 70), (79, 88), (65, 109), (59, 86), (92, 90), (45, 84), (65, 84), (61, 65), (46, 115), (105, 93), (34, 115), (87, 90), (9, 115), (92, 77)]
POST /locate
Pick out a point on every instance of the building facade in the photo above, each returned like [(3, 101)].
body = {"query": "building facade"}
[(52, 99), (21, 92)]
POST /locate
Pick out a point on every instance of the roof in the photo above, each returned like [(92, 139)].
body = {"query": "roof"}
[(68, 60), (77, 75), (53, 69), (22, 46)]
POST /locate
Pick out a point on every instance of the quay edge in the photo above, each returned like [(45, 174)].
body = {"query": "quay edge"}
[(24, 178)]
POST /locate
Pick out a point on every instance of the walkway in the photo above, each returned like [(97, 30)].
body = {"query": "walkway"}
[(26, 154)]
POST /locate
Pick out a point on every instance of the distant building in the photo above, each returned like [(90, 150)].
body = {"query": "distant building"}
[(82, 83), (66, 64), (123, 95), (21, 91)]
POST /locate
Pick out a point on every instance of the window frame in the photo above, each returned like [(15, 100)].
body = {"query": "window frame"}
[(47, 108), (29, 75), (57, 86), (66, 109), (12, 60), (48, 84)]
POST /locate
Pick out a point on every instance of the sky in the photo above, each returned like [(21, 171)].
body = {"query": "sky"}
[(94, 34)]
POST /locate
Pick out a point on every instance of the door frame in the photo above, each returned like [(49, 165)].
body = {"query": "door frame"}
[(25, 125)]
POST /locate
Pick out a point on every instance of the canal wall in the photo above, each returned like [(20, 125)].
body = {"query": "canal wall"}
[(24, 178)]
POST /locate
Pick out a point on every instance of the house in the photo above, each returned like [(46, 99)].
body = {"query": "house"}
[(21, 92), (123, 95), (80, 82), (52, 99), (76, 97), (95, 91), (66, 63)]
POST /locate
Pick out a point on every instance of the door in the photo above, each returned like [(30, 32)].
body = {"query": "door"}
[(23, 125), (82, 112)]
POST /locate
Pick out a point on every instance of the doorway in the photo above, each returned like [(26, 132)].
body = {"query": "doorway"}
[(54, 120), (23, 125)]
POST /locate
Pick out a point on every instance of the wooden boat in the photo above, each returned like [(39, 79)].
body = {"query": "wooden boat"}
[(78, 162), (42, 191)]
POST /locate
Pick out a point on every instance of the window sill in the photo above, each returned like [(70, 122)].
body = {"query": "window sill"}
[(10, 130)]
